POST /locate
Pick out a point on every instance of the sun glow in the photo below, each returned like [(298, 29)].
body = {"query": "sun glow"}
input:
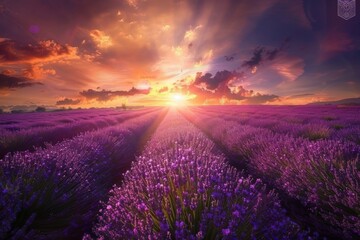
[(178, 99)]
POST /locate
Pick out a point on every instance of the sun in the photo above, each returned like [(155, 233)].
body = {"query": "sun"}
[(178, 99)]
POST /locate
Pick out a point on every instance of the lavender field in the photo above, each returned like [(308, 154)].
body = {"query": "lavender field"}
[(210, 172)]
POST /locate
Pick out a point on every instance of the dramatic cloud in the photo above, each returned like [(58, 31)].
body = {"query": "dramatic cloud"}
[(12, 82), (106, 95), (213, 82), (12, 52), (75, 45), (219, 89), (262, 54), (240, 94), (68, 101), (37, 72), (256, 59)]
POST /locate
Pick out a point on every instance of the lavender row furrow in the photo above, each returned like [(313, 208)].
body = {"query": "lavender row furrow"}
[(324, 175), (54, 192), (341, 124), (15, 122), (27, 139), (179, 188)]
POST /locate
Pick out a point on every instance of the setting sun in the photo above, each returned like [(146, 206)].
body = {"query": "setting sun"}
[(177, 99)]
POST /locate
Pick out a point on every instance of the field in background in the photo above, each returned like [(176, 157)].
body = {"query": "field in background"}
[(212, 172)]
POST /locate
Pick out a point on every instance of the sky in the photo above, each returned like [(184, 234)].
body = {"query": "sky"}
[(105, 53)]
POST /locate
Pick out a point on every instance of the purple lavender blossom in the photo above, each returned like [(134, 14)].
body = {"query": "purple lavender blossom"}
[(179, 189), (54, 192), (312, 161)]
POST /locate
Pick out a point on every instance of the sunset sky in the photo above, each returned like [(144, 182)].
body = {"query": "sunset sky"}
[(103, 53)]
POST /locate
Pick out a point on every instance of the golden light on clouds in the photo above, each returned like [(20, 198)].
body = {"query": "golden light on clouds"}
[(166, 28), (143, 44), (101, 39), (178, 51), (290, 68), (37, 71), (253, 70), (191, 34), (133, 3)]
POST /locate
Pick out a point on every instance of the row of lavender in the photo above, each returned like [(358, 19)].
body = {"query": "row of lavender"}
[(27, 138), (325, 122), (54, 193), (324, 175), (294, 114), (15, 122), (182, 188)]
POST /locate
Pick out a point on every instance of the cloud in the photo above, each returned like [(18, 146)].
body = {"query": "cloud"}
[(12, 82), (300, 95), (107, 95), (126, 40), (230, 58), (12, 52), (101, 39), (256, 59), (8, 72), (261, 54), (212, 82), (241, 94), (68, 101), (289, 67), (165, 28), (261, 99), (37, 72), (220, 87), (22, 108), (133, 3), (191, 34), (163, 89), (336, 44)]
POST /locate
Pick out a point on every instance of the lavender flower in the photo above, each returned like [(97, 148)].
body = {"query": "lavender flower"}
[(54, 192), (321, 168), (179, 189)]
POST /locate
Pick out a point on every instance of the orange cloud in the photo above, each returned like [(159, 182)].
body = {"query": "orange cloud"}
[(68, 101), (133, 3), (37, 72), (163, 89), (106, 95), (165, 28), (191, 34), (215, 89), (44, 51), (13, 82), (101, 39), (289, 67), (8, 72)]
